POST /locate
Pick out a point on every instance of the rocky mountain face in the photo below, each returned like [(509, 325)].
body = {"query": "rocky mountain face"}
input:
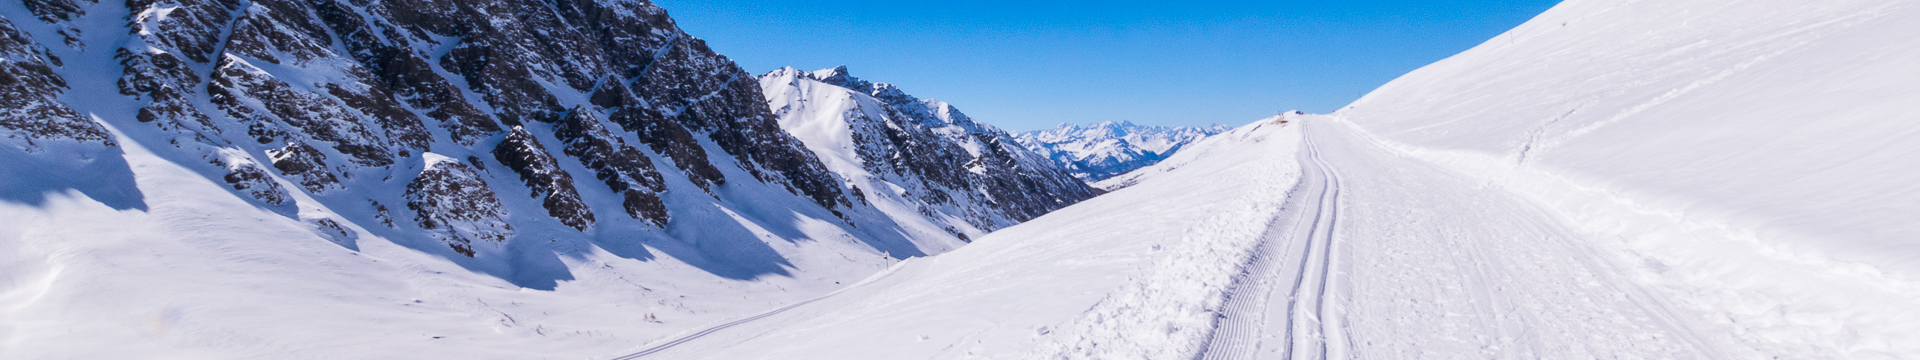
[(1107, 149), (909, 155), (481, 124)]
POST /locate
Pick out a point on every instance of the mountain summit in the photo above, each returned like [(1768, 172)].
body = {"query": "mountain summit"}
[(933, 158)]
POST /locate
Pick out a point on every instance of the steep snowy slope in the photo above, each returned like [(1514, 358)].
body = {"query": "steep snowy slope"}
[(917, 157), (1759, 153), (1107, 149), (353, 179)]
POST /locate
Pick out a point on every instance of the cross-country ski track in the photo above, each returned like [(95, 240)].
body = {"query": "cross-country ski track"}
[(1376, 266)]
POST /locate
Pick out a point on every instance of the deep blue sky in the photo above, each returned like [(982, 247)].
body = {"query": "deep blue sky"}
[(1025, 65)]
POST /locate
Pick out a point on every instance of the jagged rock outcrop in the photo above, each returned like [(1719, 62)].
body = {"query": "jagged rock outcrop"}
[(1107, 149), (30, 107), (951, 164), (248, 177), (622, 168), (542, 174), (332, 94), (454, 204), (605, 111)]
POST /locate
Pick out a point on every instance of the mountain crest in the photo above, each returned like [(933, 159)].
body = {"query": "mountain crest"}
[(879, 137)]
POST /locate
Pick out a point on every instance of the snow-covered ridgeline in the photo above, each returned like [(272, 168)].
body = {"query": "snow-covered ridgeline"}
[(917, 156), (1103, 150)]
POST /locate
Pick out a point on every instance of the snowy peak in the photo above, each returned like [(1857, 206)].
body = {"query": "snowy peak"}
[(937, 159), (837, 76), (1106, 149)]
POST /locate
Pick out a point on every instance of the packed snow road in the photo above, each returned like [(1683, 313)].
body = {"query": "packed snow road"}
[(1380, 256)]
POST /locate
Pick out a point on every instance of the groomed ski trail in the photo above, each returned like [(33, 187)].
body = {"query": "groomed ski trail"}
[(1299, 249), (1382, 256)]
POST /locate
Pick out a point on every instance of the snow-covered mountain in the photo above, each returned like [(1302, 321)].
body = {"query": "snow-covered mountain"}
[(1103, 150), (917, 156), (489, 179)]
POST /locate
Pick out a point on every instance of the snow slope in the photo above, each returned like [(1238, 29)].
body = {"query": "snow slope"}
[(1082, 281), (404, 179), (1100, 151), (1755, 158)]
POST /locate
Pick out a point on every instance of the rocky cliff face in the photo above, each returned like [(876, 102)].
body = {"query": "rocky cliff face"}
[(488, 120), (923, 155), (1107, 149), (30, 109)]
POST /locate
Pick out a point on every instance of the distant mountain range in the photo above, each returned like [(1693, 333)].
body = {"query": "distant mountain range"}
[(1107, 149)]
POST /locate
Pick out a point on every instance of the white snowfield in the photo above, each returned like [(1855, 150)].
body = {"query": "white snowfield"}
[(1614, 179), (1676, 179)]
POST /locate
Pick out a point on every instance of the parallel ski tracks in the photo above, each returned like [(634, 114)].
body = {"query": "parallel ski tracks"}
[(1300, 247)]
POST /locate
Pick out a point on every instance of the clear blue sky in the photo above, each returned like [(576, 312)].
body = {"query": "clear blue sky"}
[(1025, 65)]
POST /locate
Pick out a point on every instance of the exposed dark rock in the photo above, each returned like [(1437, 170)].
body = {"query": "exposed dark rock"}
[(306, 165), (249, 178), (953, 158), (624, 169), (55, 10), (738, 120), (522, 153), (162, 80), (30, 108), (381, 213), (332, 230), (660, 134), (452, 202), (276, 110), (496, 70), (319, 93)]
